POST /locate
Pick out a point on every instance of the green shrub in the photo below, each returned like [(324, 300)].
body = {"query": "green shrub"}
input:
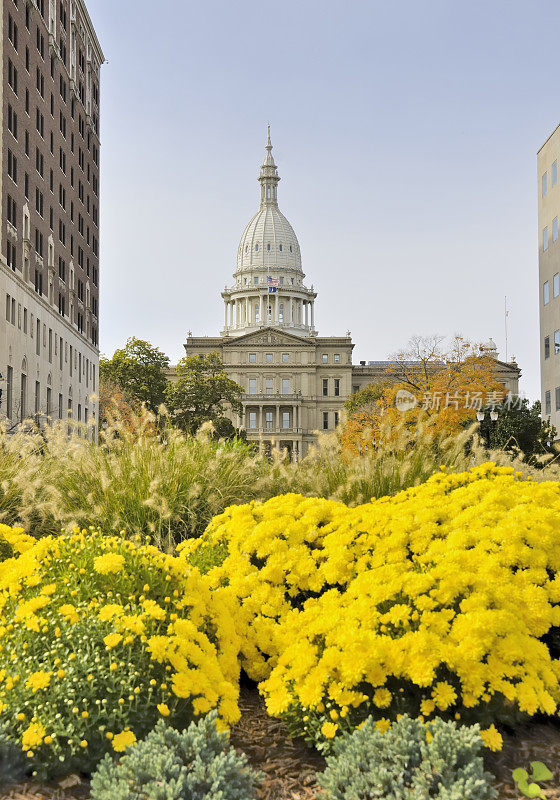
[(410, 761), (168, 765)]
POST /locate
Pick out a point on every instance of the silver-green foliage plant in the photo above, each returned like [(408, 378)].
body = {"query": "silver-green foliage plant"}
[(13, 763), (410, 761), (171, 765)]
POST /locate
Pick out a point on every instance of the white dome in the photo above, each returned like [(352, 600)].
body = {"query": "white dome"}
[(268, 241)]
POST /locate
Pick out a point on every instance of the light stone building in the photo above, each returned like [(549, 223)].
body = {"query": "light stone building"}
[(549, 276), (295, 382), (49, 189)]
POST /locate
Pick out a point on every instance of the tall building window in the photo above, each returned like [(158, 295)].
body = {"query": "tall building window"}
[(547, 402), (336, 419), (285, 358), (546, 293), (23, 398), (544, 184), (556, 342), (325, 387), (336, 387), (325, 420), (555, 229), (285, 386), (49, 401), (547, 346), (325, 358), (268, 358), (285, 419), (556, 285), (9, 391), (337, 358), (269, 385), (545, 238), (252, 385), (281, 312), (554, 173), (257, 312), (37, 397), (252, 420), (557, 398), (268, 420)]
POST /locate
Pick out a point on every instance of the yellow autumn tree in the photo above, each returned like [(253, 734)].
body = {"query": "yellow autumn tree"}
[(424, 380)]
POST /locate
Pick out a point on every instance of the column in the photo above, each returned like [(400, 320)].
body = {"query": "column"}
[(261, 300), (259, 420), (247, 318), (306, 307), (276, 308), (313, 314), (291, 318), (278, 426), (294, 421)]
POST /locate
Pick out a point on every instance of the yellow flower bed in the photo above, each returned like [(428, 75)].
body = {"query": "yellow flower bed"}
[(13, 542), (446, 617), (275, 555), (99, 638)]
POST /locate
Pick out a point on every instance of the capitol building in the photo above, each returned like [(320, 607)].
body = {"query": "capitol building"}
[(295, 382)]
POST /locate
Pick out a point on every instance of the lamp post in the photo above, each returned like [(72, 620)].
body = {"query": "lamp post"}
[(481, 416)]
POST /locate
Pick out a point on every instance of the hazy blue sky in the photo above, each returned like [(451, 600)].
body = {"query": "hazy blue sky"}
[(405, 135)]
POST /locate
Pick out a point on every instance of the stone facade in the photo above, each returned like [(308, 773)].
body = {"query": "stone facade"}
[(49, 188), (295, 382), (549, 276)]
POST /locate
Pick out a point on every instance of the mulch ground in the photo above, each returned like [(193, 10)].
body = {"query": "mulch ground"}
[(290, 766)]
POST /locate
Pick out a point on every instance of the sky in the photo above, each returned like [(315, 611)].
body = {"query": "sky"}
[(405, 136)]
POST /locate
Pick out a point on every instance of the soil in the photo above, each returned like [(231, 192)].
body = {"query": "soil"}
[(290, 766)]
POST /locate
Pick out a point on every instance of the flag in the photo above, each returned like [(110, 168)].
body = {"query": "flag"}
[(273, 281)]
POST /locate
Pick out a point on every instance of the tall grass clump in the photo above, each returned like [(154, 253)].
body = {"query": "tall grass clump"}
[(145, 477)]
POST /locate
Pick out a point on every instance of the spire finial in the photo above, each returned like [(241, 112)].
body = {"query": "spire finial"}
[(268, 142)]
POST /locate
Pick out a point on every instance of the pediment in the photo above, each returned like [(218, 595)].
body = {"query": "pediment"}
[(271, 337)]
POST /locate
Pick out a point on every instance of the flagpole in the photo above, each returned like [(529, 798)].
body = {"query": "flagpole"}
[(505, 324)]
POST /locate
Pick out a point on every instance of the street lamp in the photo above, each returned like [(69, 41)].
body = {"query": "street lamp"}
[(481, 416)]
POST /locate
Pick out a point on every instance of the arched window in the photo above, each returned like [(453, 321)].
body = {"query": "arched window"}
[(280, 247), (268, 247), (257, 246), (268, 192)]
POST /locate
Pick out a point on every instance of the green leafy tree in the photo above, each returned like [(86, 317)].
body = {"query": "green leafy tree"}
[(519, 427), (201, 393), (139, 370)]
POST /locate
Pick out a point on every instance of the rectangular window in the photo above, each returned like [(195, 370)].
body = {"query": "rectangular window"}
[(556, 285), (547, 402), (336, 419), (268, 358), (337, 358), (9, 391), (23, 398), (336, 387), (252, 420), (325, 358), (38, 339), (325, 387), (269, 385), (268, 420), (546, 293), (49, 401), (285, 358), (60, 404), (555, 229), (545, 238), (285, 419), (325, 420), (37, 397), (252, 385), (556, 342), (547, 346), (544, 184), (285, 386)]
